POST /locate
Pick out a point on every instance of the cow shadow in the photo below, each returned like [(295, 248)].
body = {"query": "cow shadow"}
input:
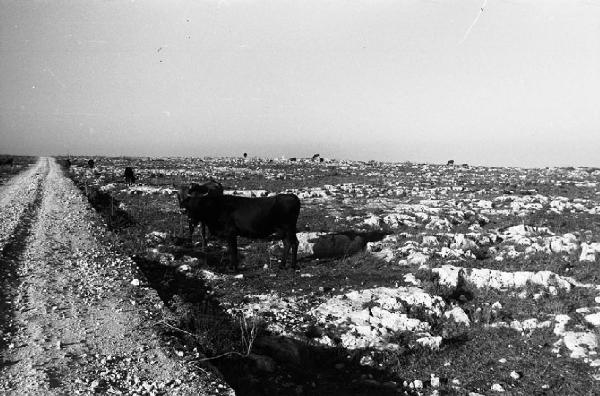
[(275, 365)]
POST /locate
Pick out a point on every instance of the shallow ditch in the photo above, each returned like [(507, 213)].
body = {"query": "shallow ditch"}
[(108, 207), (277, 365)]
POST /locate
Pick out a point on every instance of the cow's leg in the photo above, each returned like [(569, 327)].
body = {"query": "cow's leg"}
[(233, 256), (295, 244), (203, 229), (286, 250), (192, 225)]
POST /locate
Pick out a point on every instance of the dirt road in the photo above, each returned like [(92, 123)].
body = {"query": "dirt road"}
[(71, 322)]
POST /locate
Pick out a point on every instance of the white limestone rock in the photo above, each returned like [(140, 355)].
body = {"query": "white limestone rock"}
[(580, 343), (432, 342), (483, 277), (593, 319), (457, 315), (417, 259), (588, 251)]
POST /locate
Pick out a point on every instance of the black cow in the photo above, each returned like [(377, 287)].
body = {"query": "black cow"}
[(129, 175), (229, 216), (91, 163), (211, 188)]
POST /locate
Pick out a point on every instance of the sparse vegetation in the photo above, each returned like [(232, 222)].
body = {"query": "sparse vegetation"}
[(472, 218)]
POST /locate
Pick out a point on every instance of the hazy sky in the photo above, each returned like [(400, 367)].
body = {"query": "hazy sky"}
[(420, 80)]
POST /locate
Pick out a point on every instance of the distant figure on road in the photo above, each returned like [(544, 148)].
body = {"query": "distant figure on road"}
[(450, 162), (129, 175)]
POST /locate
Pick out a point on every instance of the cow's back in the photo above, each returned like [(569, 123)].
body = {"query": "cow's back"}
[(260, 217)]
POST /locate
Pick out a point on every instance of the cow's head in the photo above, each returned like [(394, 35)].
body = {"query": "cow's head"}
[(198, 190)]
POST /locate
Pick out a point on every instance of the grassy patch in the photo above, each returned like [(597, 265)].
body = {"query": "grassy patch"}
[(475, 364)]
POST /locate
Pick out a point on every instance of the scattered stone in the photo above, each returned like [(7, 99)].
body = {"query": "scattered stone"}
[(457, 325), (417, 259), (593, 319), (184, 268), (367, 360), (432, 342)]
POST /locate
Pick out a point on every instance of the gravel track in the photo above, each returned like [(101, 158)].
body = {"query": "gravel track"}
[(71, 320)]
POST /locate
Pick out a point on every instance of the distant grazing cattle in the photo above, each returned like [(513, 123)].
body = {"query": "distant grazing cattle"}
[(321, 159), (293, 159), (211, 188), (315, 157), (465, 165), (229, 216), (450, 162), (91, 163), (129, 175), (7, 162), (65, 163)]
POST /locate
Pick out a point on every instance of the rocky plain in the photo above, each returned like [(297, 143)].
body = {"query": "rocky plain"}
[(413, 279)]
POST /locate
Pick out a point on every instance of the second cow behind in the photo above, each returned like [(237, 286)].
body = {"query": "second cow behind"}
[(129, 175)]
